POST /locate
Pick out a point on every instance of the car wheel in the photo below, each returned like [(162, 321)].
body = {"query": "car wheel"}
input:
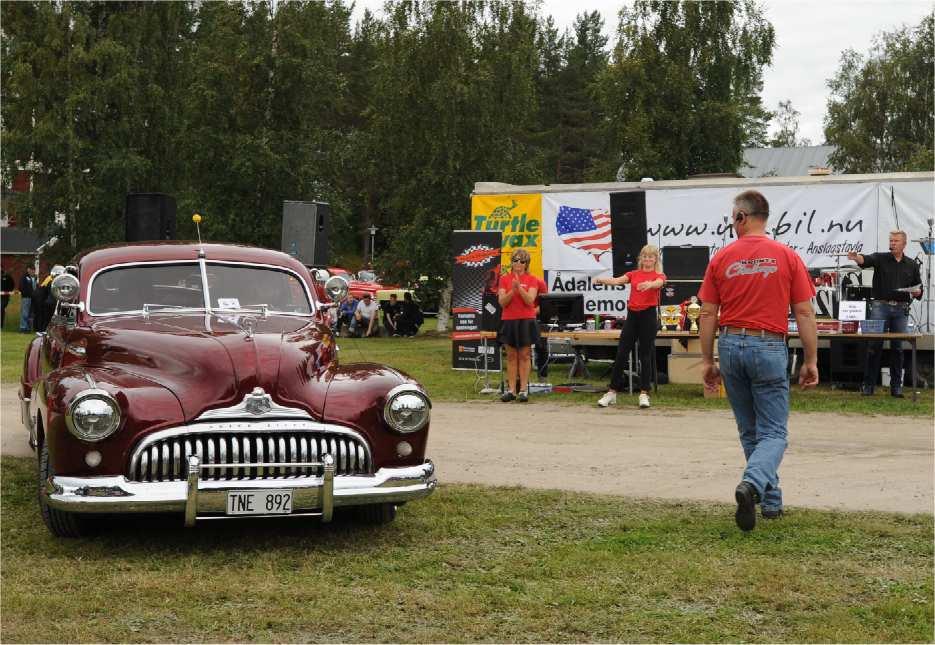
[(59, 523), (376, 514)]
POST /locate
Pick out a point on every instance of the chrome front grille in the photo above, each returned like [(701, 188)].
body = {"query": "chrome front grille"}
[(246, 448)]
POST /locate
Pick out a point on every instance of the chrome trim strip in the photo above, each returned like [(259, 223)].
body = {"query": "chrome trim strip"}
[(191, 495), (120, 495), (205, 430), (327, 489), (314, 305)]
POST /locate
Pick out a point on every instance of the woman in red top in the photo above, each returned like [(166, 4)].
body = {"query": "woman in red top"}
[(519, 332), (640, 324)]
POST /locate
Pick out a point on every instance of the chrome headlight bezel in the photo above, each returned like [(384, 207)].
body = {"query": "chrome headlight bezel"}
[(93, 396), (402, 397)]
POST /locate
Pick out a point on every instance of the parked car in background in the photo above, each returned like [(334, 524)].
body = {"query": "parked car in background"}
[(201, 380), (358, 284)]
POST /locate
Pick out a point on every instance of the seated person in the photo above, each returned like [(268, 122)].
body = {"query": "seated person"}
[(344, 313), (365, 317), (410, 319), (391, 313)]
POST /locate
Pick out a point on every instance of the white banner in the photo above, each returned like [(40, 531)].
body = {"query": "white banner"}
[(598, 298), (576, 232), (576, 248), (818, 221)]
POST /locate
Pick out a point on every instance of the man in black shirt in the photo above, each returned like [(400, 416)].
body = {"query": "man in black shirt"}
[(893, 273)]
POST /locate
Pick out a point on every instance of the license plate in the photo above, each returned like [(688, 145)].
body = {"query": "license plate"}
[(259, 502)]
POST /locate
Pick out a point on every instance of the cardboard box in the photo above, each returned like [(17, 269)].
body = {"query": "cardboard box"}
[(685, 368)]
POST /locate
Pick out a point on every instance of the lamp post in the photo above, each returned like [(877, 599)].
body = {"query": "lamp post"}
[(373, 233), (52, 241)]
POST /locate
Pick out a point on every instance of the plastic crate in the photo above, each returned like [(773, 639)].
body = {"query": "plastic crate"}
[(872, 326)]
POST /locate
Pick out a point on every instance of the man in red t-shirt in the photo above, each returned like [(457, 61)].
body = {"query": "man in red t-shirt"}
[(747, 291)]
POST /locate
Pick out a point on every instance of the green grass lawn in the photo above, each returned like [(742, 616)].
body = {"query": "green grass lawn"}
[(427, 357), (471, 564)]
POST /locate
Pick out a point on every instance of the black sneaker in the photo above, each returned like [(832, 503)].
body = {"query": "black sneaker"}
[(522, 397), (772, 515), (507, 397), (896, 391), (746, 497), (866, 390)]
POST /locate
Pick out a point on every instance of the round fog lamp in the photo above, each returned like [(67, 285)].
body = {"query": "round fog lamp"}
[(93, 459), (403, 449)]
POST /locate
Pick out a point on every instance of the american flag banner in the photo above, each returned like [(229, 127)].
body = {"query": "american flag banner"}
[(584, 229)]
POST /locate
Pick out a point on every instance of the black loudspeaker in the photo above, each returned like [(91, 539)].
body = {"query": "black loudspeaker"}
[(149, 216), (490, 313), (685, 262), (627, 229), (675, 292), (305, 227), (858, 292)]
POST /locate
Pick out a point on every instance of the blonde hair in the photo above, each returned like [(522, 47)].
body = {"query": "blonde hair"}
[(902, 234), (520, 254), (649, 249)]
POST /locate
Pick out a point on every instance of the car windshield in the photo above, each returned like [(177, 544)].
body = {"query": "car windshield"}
[(366, 276), (154, 287)]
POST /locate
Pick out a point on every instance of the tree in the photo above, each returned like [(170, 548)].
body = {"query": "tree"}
[(577, 137), (787, 124), (682, 92), (880, 113)]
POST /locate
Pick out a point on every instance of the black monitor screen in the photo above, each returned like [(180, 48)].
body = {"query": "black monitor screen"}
[(561, 309), (685, 262)]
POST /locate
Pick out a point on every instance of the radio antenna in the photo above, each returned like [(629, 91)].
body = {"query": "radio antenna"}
[(197, 219)]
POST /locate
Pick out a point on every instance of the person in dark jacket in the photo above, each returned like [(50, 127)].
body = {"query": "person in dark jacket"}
[(411, 317), (27, 285), (43, 303)]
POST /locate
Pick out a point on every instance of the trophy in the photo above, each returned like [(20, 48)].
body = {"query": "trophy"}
[(670, 316), (693, 311)]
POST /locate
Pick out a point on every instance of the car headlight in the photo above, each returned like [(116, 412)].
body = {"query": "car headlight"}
[(407, 409), (93, 415)]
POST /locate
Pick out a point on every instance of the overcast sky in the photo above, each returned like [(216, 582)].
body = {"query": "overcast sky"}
[(810, 36)]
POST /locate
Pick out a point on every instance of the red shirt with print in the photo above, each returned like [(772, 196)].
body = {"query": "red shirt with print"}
[(518, 309), (643, 300), (754, 280)]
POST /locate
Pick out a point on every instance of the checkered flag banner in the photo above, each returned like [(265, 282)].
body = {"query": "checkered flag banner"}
[(476, 267)]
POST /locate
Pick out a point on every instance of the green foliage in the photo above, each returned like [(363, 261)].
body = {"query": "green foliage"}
[(881, 112), (682, 92), (787, 127), (234, 107)]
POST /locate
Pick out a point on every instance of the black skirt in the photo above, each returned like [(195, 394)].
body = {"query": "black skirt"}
[(519, 333)]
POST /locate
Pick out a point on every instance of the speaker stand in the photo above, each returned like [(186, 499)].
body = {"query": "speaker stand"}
[(487, 389)]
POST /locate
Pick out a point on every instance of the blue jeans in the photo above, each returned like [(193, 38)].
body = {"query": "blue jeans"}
[(896, 317), (25, 324), (754, 374)]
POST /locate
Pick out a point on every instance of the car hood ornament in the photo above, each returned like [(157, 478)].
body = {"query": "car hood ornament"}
[(256, 404)]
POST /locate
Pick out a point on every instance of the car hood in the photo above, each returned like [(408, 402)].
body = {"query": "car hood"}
[(213, 361)]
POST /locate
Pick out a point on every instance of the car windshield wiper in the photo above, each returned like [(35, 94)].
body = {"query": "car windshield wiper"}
[(149, 308), (263, 310)]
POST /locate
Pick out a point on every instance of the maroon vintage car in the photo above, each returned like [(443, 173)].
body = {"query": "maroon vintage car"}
[(199, 379)]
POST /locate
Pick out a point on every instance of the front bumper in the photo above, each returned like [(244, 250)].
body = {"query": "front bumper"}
[(201, 498)]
